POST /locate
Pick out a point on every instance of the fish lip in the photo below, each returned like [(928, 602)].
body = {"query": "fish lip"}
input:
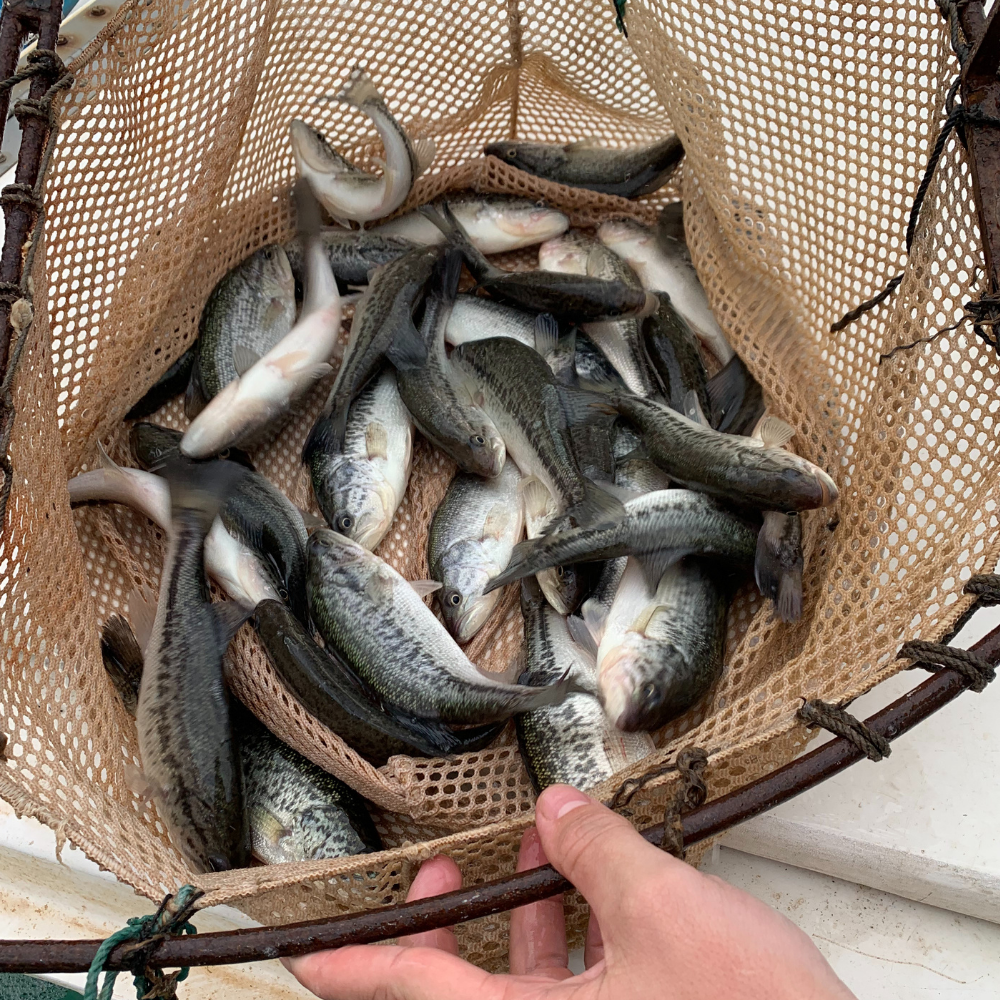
[(828, 488), (307, 146), (475, 617)]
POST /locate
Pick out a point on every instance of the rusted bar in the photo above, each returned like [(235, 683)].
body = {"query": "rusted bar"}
[(260, 943), (18, 19)]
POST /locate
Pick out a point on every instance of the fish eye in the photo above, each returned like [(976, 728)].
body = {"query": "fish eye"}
[(648, 691), (282, 593), (224, 455), (344, 523), (560, 572), (454, 598), (511, 154), (478, 439), (268, 255)]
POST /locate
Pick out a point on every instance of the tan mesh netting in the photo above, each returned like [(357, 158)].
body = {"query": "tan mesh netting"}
[(806, 129)]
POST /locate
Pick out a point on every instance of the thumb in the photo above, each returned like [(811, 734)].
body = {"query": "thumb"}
[(599, 851)]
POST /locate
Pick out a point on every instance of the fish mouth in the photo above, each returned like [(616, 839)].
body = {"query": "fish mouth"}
[(310, 148), (828, 488), (551, 584), (370, 531), (472, 620), (617, 687), (538, 224)]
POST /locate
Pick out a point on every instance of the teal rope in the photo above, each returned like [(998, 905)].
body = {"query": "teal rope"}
[(140, 929)]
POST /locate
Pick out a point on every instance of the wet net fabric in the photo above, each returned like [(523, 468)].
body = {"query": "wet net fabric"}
[(806, 129)]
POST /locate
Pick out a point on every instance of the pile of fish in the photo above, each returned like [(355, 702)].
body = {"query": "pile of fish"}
[(600, 467)]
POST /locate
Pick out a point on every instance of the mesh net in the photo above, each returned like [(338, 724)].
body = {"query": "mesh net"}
[(806, 128)]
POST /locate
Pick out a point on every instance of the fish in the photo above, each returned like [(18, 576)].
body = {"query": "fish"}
[(350, 194), (736, 400), (639, 474), (190, 767), (779, 562), (353, 254), (171, 383), (495, 223), (672, 349), (564, 587), (533, 414), (296, 811), (725, 465), (382, 327), (257, 515), (659, 527), (153, 445), (472, 536), (577, 297), (446, 405), (476, 317), (661, 645), (620, 341), (664, 265), (367, 611), (328, 688), (257, 402), (250, 310), (572, 743), (233, 565), (360, 485), (630, 172)]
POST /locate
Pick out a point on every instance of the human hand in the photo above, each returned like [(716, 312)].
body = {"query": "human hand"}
[(658, 928)]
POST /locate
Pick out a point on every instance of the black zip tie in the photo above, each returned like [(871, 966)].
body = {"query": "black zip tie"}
[(935, 656), (692, 792), (985, 586), (842, 723)]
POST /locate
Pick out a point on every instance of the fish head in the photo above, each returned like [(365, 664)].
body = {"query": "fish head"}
[(329, 551), (464, 606), (313, 154), (808, 484), (568, 253), (625, 236), (565, 587), (638, 683), (524, 221), (153, 444), (363, 504), (272, 272), (487, 452), (530, 156)]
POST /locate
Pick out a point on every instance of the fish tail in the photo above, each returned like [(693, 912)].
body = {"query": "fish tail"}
[(123, 660), (597, 509), (327, 434), (201, 487), (308, 220), (360, 89), (778, 563)]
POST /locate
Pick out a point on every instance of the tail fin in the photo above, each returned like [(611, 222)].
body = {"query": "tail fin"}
[(778, 563), (360, 90), (123, 660), (308, 221), (327, 433), (201, 487), (597, 509), (444, 218)]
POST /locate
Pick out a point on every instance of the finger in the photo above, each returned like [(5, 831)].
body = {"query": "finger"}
[(360, 972), (600, 853), (593, 946), (538, 931), (438, 875)]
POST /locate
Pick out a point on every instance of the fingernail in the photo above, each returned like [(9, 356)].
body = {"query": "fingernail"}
[(557, 800)]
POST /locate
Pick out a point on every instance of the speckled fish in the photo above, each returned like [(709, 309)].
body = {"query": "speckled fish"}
[(495, 223), (533, 414), (733, 467), (382, 327), (564, 587), (672, 348), (629, 172), (353, 254), (445, 404), (365, 609), (577, 297), (154, 445), (190, 765), (298, 811), (620, 341), (233, 565), (572, 743), (350, 194), (638, 474), (658, 527), (250, 310), (661, 646), (475, 317), (664, 265), (325, 685), (256, 403), (171, 383), (359, 485), (472, 536)]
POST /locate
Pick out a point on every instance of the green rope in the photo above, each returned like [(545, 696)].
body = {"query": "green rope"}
[(620, 16), (170, 918)]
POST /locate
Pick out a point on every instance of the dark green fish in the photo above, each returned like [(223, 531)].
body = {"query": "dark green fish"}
[(248, 312), (353, 253), (628, 173), (330, 691), (189, 759), (367, 611), (154, 445), (672, 348), (170, 384)]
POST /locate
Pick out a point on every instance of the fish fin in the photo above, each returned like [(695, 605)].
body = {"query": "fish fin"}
[(142, 610), (327, 434), (597, 509), (655, 564), (244, 358), (320, 370), (268, 826), (621, 493), (580, 631), (546, 333), (308, 218), (274, 311), (450, 271), (726, 389), (123, 660), (201, 487), (407, 351), (106, 461), (496, 522), (376, 440), (591, 142), (138, 784), (595, 617), (360, 89), (693, 410), (773, 432), (471, 391), (195, 399), (424, 149), (424, 588), (778, 563), (642, 620), (444, 218), (513, 672), (535, 496), (310, 520), (379, 589), (229, 616), (579, 406), (788, 604), (671, 221)]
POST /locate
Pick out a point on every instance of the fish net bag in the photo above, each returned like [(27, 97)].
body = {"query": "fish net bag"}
[(806, 129)]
